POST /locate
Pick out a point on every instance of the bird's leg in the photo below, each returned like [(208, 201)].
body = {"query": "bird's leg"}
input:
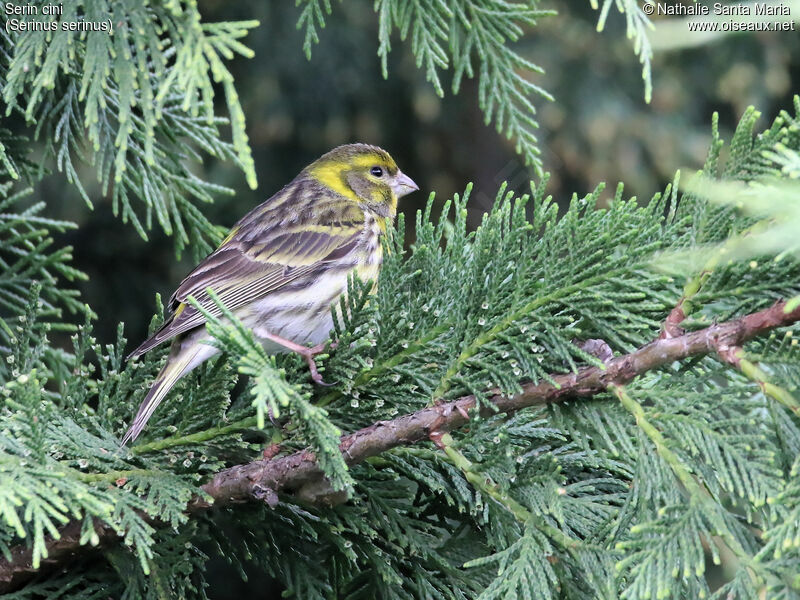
[(321, 346), (304, 351)]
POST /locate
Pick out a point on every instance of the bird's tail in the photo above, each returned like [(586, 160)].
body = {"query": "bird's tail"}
[(182, 359)]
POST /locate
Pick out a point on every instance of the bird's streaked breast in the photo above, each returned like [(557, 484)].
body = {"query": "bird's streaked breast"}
[(301, 311)]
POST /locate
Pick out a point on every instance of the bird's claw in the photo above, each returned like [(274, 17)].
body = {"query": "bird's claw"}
[(312, 365)]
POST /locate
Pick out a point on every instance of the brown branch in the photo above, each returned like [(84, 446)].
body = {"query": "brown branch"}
[(732, 354), (298, 474), (673, 321)]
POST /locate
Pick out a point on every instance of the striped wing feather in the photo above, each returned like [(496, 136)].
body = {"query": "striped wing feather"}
[(244, 269)]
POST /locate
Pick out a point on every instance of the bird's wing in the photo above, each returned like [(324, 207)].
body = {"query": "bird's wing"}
[(244, 269)]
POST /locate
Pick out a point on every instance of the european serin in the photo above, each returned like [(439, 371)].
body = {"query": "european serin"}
[(285, 263)]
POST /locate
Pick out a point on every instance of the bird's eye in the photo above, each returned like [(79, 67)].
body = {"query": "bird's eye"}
[(376, 171)]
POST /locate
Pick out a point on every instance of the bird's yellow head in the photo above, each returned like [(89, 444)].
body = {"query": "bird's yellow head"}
[(364, 174)]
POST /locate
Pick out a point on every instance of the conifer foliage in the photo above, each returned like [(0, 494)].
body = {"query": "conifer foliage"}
[(627, 494)]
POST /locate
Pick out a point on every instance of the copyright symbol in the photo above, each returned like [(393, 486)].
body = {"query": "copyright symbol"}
[(648, 8)]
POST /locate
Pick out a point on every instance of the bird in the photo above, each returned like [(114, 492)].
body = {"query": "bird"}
[(284, 264)]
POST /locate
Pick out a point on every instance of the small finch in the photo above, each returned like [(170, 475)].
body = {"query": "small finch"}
[(285, 263)]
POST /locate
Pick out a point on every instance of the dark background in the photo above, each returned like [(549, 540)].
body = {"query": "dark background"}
[(598, 129)]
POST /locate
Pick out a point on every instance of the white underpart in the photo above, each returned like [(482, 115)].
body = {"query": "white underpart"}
[(313, 326), (304, 323)]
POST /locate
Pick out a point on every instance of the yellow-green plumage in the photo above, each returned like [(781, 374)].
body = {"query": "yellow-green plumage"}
[(285, 262)]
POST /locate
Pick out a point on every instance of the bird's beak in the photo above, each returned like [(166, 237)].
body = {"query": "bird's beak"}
[(403, 184)]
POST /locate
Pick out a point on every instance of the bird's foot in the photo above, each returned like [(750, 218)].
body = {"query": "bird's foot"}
[(312, 367), (305, 352), (320, 347), (309, 354)]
